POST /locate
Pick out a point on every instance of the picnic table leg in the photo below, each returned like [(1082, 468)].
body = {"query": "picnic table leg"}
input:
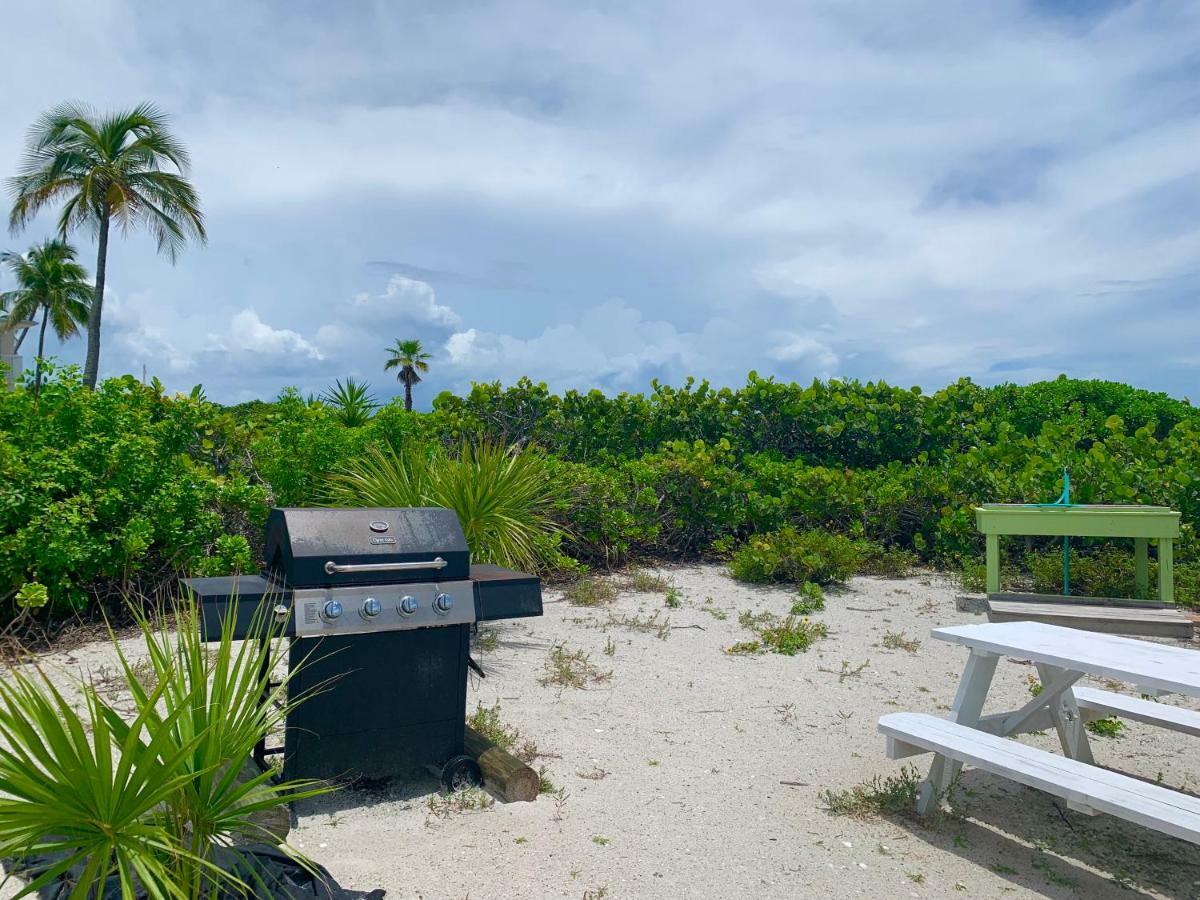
[(1166, 570), (1064, 713), (968, 704), (1141, 576), (993, 563)]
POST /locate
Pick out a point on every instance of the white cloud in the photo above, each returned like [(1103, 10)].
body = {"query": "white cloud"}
[(615, 346), (792, 347), (913, 190), (250, 334), (405, 299)]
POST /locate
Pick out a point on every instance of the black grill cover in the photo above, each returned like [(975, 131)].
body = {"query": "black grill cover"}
[(300, 541)]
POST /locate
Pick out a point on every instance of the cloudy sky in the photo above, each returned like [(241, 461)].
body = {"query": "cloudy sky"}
[(598, 194)]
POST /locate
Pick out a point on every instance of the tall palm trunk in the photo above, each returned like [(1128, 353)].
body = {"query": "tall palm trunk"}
[(37, 364), (91, 365), (408, 395)]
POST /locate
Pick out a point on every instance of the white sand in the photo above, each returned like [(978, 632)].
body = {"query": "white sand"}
[(705, 770)]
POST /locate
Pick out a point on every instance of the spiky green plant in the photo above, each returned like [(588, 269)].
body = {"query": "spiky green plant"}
[(502, 495), (144, 802), (86, 790), (352, 402), (220, 701)]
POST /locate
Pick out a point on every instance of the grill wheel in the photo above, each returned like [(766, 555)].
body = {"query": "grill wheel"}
[(461, 773)]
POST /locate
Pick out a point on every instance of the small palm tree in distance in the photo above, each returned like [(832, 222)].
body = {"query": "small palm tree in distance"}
[(50, 283), (410, 359)]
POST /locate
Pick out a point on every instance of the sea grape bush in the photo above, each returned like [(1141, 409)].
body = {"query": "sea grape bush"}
[(797, 557), (101, 490), (130, 484)]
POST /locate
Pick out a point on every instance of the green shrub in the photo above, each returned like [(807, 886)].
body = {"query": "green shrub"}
[(591, 592), (811, 600), (1105, 572), (794, 556), (121, 488), (888, 562), (501, 496), (104, 490)]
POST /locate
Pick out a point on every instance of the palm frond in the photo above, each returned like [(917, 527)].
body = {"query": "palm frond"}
[(502, 495)]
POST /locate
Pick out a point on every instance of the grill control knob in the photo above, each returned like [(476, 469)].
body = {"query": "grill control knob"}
[(443, 602), (408, 605), (371, 608), (332, 610)]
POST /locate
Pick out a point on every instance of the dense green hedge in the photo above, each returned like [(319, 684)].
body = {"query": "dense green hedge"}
[(129, 484)]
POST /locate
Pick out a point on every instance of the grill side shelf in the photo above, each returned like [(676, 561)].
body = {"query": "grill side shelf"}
[(240, 594), (505, 594)]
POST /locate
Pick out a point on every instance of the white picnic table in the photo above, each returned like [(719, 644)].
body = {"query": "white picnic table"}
[(1062, 656)]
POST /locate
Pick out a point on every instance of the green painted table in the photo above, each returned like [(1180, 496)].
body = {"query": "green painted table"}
[(1142, 523)]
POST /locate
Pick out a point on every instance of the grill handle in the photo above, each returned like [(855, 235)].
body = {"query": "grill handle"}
[(332, 568)]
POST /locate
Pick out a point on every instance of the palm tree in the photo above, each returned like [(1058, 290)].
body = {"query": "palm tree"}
[(410, 359), (50, 283), (107, 169)]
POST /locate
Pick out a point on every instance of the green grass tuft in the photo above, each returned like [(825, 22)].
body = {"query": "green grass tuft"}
[(880, 796)]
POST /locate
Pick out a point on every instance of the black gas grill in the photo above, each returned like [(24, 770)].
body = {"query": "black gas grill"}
[(379, 604)]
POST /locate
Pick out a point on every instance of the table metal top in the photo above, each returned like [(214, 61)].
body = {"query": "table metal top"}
[(1160, 666)]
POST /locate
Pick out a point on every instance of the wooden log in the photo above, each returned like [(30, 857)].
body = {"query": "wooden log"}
[(503, 774)]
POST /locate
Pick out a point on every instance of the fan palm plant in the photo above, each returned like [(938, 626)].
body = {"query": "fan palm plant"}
[(106, 169), (50, 283), (144, 803), (352, 401), (503, 496), (410, 358)]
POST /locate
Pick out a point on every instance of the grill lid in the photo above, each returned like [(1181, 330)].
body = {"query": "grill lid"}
[(325, 547)]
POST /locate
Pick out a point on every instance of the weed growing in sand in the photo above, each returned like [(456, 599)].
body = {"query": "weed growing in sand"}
[(488, 640), (571, 668), (600, 839), (811, 600), (594, 774), (646, 582), (898, 640), (560, 798), (652, 624), (1042, 863), (673, 600), (915, 877), (1110, 726), (744, 648), (487, 722), (881, 796), (755, 621), (715, 611), (848, 671), (596, 893), (793, 635), (591, 592), (610, 647), (545, 785), (472, 799)]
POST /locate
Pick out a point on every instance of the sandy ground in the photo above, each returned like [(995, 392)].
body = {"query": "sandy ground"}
[(693, 773)]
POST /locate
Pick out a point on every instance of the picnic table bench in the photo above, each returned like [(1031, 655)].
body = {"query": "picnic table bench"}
[(1062, 657)]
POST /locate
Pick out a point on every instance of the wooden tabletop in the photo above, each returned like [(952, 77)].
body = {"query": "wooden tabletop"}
[(1163, 667)]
